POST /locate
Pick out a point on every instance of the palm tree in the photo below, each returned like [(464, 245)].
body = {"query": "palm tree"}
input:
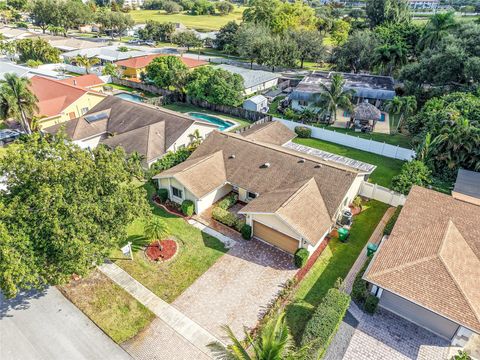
[(402, 106), (389, 57), (86, 62), (334, 96), (195, 139), (17, 100), (35, 122), (156, 228), (437, 27), (274, 343)]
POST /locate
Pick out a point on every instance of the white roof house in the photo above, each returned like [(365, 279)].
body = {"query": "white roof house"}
[(256, 103), (254, 80), (106, 54), (24, 71)]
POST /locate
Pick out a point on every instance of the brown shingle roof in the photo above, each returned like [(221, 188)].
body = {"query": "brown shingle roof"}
[(432, 256), (272, 132)]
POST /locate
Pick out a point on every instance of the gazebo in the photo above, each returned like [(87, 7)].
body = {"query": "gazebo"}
[(365, 116)]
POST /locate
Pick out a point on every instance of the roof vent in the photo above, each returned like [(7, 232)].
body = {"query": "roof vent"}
[(232, 156), (266, 165), (301, 161), (75, 82)]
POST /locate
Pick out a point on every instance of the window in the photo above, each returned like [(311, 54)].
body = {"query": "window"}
[(176, 192), (302, 103), (251, 195)]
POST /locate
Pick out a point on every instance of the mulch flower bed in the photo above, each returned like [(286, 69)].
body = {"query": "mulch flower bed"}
[(355, 210), (169, 206), (164, 252)]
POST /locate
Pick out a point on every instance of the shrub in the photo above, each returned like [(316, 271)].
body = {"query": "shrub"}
[(228, 201), (359, 287), (246, 232), (324, 323), (303, 132), (188, 207), (413, 172), (162, 194), (371, 304), (170, 159), (300, 258), (239, 225), (391, 222), (357, 202), (224, 216)]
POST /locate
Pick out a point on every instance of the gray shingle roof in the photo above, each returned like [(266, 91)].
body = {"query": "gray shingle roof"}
[(468, 183), (250, 77)]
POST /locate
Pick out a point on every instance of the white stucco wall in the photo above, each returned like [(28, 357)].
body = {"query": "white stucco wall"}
[(168, 183), (91, 143), (208, 200), (351, 194), (184, 139), (311, 248), (273, 221), (261, 87)]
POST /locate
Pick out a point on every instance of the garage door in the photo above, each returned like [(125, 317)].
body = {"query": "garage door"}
[(418, 315), (275, 237)]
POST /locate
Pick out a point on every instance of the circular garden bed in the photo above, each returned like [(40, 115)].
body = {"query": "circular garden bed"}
[(161, 250)]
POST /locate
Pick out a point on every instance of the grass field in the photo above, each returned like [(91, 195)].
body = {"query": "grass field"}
[(386, 169), (114, 311), (335, 261), (197, 252), (197, 22)]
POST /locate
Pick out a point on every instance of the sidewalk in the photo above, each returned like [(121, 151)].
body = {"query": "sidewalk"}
[(182, 325)]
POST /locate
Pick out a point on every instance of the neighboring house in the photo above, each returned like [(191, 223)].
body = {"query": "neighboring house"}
[(467, 186), (24, 71), (253, 80), (59, 101), (256, 103), (66, 44), (292, 199), (107, 54), (11, 33), (372, 88), (136, 127), (428, 269), (87, 81), (133, 4), (133, 68), (424, 4)]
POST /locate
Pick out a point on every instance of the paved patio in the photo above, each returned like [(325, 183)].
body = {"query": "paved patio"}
[(237, 288)]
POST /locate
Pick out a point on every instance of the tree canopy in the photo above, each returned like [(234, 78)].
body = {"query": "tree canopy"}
[(167, 72), (63, 211)]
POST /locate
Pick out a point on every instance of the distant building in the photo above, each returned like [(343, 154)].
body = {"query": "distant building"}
[(424, 4), (256, 103), (254, 80), (107, 54), (133, 4), (24, 71)]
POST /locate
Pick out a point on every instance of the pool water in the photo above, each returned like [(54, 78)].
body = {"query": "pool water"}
[(130, 97), (221, 124)]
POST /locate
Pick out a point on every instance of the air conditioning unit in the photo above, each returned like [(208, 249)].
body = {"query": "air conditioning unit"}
[(346, 218)]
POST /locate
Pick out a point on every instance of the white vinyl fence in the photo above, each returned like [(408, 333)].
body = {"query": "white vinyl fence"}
[(383, 194), (97, 70), (376, 147)]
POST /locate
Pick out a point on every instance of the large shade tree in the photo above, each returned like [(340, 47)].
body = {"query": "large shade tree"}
[(63, 211), (17, 101), (167, 72), (438, 26)]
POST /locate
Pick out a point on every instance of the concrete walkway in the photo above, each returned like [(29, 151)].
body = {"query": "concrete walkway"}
[(227, 241), (182, 325), (375, 238)]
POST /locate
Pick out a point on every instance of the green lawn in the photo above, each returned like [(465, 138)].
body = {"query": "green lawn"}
[(114, 311), (335, 261), (185, 108), (386, 169), (198, 22), (197, 252)]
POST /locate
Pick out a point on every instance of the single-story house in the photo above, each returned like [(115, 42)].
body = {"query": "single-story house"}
[(137, 127), (106, 54), (59, 101), (87, 81), (375, 89), (25, 71), (428, 269), (133, 68), (292, 199), (256, 103), (253, 80), (14, 33), (467, 186)]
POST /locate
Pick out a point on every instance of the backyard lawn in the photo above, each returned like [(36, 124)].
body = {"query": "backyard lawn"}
[(114, 311), (335, 261), (386, 169), (198, 22), (197, 252)]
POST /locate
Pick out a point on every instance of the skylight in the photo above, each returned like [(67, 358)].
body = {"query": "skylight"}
[(96, 117)]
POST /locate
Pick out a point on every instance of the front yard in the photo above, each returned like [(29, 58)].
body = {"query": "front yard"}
[(334, 262), (197, 252), (386, 169)]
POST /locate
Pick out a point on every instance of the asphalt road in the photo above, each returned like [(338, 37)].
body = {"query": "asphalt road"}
[(45, 325)]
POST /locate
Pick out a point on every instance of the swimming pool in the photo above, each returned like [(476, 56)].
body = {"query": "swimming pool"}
[(130, 97), (221, 124)]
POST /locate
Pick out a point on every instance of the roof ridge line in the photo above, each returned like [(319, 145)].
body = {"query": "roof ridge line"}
[(291, 197), (66, 84), (207, 157), (404, 266)]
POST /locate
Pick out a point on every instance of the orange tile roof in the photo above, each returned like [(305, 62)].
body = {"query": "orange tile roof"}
[(140, 62), (54, 96), (86, 81)]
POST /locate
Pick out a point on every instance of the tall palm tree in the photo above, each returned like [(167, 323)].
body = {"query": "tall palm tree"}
[(402, 106), (274, 343), (390, 57), (86, 62), (334, 96), (195, 139), (436, 28), (156, 228), (17, 100)]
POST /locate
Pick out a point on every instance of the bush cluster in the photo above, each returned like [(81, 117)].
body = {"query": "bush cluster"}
[(300, 258), (303, 132), (170, 159), (359, 288), (371, 304), (246, 232), (162, 194), (391, 223), (324, 323), (224, 216), (188, 207), (228, 201)]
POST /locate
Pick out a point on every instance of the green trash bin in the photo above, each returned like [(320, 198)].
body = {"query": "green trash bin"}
[(371, 248), (343, 234)]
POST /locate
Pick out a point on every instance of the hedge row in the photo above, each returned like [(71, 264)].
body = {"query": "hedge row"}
[(359, 288), (228, 201), (391, 223), (229, 219), (324, 323)]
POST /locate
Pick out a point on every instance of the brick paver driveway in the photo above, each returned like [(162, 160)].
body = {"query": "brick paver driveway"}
[(388, 336), (237, 288)]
